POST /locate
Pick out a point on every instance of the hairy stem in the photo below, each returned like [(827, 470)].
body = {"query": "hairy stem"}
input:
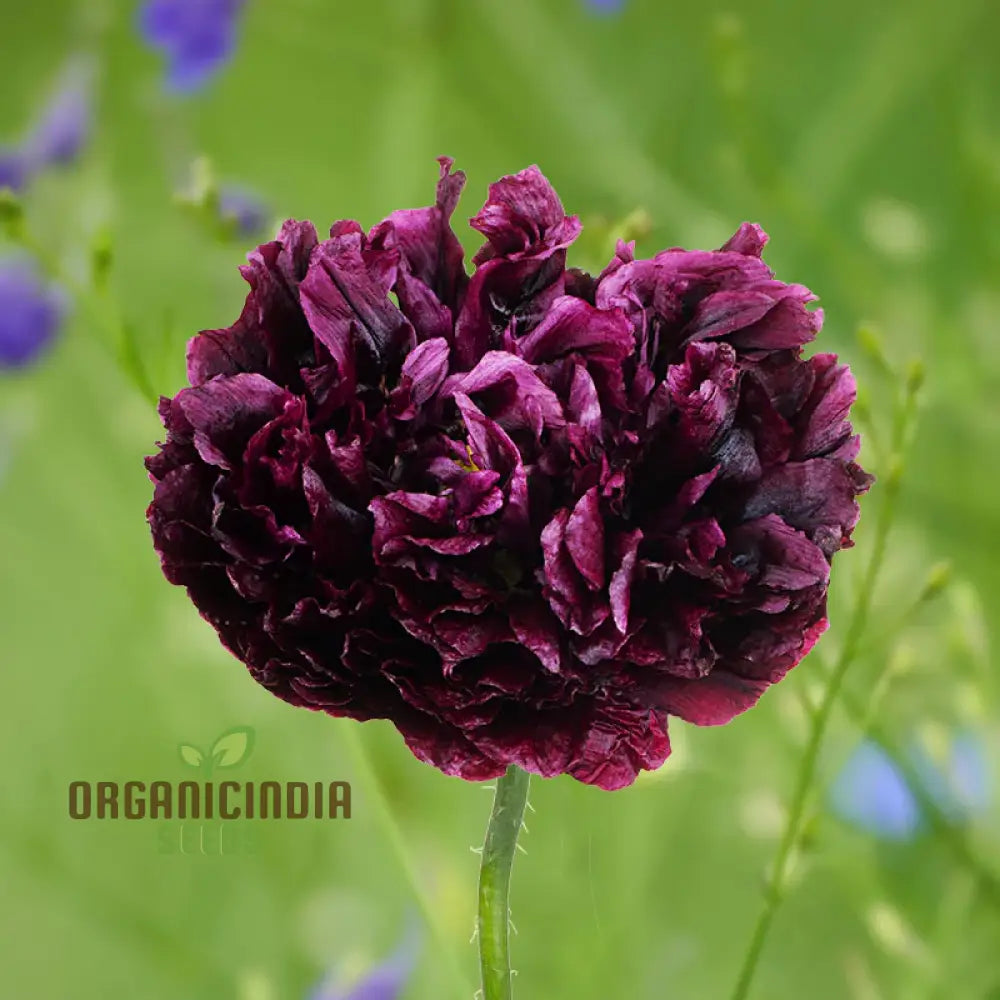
[(494, 883)]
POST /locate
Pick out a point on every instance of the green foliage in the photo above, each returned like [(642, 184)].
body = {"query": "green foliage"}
[(863, 138)]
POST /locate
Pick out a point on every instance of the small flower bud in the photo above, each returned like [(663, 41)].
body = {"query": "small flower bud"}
[(938, 577), (870, 342), (101, 259), (895, 476), (891, 932), (916, 372), (11, 215), (637, 225)]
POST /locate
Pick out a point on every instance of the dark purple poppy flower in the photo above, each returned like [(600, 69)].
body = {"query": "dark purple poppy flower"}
[(197, 36), (31, 313), (526, 515), (242, 209)]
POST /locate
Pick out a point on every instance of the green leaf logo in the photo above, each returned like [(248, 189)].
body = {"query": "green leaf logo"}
[(233, 747), (191, 755)]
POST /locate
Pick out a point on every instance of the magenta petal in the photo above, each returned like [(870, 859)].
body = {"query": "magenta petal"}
[(516, 396), (225, 412), (809, 495), (620, 743), (712, 700), (787, 324), (426, 367), (584, 405), (584, 539), (538, 629), (346, 304), (575, 325), (726, 311), (273, 273), (749, 239), (431, 250), (523, 213), (620, 590), (823, 420)]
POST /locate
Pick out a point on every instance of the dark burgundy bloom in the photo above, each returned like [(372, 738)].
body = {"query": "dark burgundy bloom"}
[(525, 515)]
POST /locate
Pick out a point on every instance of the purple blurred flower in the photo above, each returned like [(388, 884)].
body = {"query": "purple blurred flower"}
[(385, 982), (13, 168), (31, 313), (606, 6), (243, 210), (526, 514), (871, 793), (59, 133), (64, 126), (197, 37)]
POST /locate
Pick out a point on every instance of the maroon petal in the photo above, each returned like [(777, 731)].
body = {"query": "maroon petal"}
[(822, 423), (522, 215), (346, 303), (810, 495), (749, 239), (584, 539), (510, 391), (273, 273), (225, 413), (424, 372), (712, 700), (573, 325), (430, 250)]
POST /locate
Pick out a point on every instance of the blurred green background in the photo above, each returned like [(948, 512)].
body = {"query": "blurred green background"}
[(864, 137)]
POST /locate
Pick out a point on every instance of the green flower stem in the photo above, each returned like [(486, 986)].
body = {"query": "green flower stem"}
[(775, 883), (494, 883)]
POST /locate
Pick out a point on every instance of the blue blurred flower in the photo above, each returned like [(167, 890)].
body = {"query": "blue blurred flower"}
[(872, 794), (606, 6), (385, 982), (13, 168), (59, 133), (64, 126), (31, 313), (242, 209), (197, 37)]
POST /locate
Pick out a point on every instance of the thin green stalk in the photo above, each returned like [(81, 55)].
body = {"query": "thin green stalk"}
[(494, 883), (775, 884), (394, 836)]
